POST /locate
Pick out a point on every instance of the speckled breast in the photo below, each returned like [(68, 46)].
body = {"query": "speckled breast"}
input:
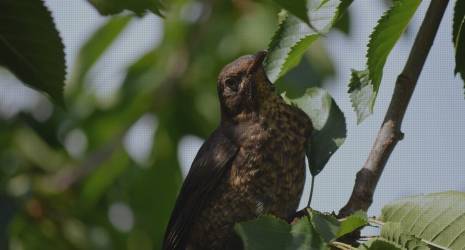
[(280, 171), (266, 177)]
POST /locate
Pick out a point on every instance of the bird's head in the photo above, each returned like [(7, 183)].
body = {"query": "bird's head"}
[(243, 85)]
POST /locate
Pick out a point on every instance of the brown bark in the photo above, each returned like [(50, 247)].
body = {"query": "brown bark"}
[(390, 131)]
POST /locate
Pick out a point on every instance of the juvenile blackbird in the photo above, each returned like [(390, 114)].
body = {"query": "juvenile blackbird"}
[(252, 164)]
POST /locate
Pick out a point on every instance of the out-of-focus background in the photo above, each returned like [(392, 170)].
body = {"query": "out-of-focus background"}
[(104, 173)]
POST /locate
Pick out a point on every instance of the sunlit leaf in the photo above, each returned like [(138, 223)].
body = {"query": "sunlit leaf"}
[(293, 36), (31, 47), (352, 222), (392, 232), (328, 123), (361, 94), (437, 217), (110, 7), (363, 90)]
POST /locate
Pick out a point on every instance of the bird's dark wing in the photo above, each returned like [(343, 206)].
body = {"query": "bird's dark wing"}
[(209, 166)]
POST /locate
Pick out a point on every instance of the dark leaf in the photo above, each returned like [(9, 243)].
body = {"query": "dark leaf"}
[(297, 8), (270, 233), (328, 123), (459, 15), (458, 36), (110, 7), (326, 225), (343, 24), (31, 47)]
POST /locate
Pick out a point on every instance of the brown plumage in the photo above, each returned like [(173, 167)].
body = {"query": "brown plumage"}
[(252, 164)]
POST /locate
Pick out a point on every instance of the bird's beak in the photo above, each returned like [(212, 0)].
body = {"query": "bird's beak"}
[(259, 57)]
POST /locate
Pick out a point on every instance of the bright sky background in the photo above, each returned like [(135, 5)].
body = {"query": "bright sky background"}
[(430, 158)]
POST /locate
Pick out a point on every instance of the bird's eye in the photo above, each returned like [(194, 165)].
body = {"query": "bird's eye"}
[(232, 83)]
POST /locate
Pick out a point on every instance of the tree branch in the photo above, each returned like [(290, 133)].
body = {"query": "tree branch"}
[(390, 131)]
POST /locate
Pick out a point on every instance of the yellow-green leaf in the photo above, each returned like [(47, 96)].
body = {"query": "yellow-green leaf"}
[(438, 218)]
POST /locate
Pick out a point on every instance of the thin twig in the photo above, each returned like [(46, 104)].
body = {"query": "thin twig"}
[(390, 132)]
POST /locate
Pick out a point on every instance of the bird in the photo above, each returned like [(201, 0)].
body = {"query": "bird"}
[(252, 164)]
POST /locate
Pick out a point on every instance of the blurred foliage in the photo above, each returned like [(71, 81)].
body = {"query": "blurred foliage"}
[(64, 179)]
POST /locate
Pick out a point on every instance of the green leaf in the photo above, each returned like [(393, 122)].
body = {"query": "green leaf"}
[(99, 42), (139, 7), (297, 8), (328, 123), (458, 36), (293, 36), (379, 244), (437, 217), (31, 47), (269, 233), (304, 236), (361, 94), (344, 24), (385, 35), (326, 225), (392, 232), (459, 15), (352, 223), (266, 232)]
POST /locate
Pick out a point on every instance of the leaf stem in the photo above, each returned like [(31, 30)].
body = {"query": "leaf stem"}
[(390, 133), (341, 245), (375, 221), (311, 191), (434, 244)]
